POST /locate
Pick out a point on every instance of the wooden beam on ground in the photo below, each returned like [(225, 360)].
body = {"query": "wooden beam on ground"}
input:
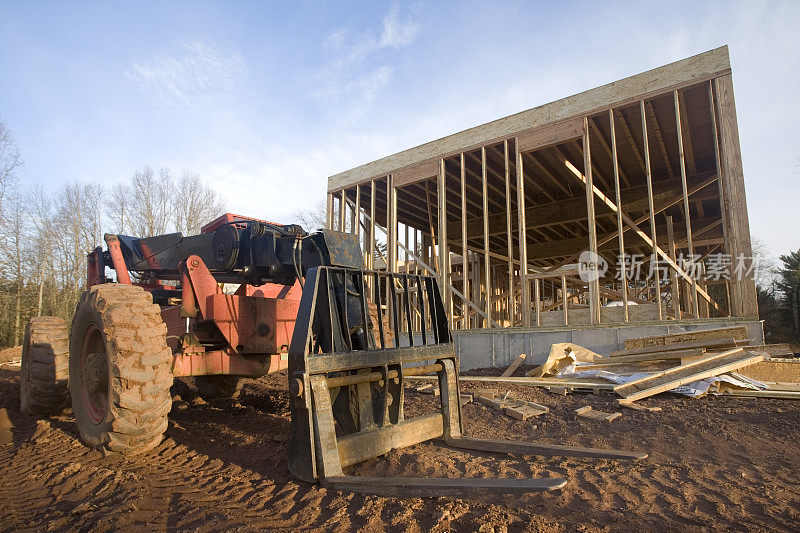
[(666, 380)]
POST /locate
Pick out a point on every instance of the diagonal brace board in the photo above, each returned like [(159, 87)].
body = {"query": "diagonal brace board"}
[(642, 235), (681, 375)]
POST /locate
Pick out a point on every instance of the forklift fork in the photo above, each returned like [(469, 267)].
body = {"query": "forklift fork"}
[(347, 387)]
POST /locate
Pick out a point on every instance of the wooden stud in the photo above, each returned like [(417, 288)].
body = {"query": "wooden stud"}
[(512, 302), (464, 252), (649, 177), (356, 218), (441, 210), (720, 179), (620, 227), (687, 216), (371, 258), (564, 302), (329, 212), (673, 276), (594, 286), (342, 209), (743, 291), (486, 273), (523, 245)]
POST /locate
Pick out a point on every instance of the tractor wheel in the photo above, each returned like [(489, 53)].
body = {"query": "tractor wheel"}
[(212, 388), (44, 373), (119, 369)]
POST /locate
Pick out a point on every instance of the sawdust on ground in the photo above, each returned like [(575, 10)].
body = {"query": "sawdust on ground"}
[(727, 463)]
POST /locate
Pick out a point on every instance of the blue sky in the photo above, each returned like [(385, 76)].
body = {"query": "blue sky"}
[(266, 99)]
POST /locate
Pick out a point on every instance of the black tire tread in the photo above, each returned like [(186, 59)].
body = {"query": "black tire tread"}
[(45, 360), (140, 364)]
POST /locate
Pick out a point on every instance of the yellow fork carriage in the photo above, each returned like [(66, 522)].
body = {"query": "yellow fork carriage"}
[(347, 384)]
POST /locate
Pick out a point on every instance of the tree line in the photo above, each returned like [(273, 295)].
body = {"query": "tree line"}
[(45, 234)]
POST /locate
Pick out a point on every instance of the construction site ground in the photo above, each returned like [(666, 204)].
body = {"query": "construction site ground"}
[(716, 462)]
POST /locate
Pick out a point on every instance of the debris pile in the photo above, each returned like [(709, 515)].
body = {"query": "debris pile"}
[(699, 363)]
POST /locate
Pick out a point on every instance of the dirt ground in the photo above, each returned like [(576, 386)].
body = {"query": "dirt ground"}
[(727, 463)]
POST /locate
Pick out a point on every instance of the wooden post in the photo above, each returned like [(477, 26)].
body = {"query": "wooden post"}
[(372, 225), (486, 265), (444, 273), (743, 290), (329, 212), (564, 303), (654, 257), (342, 208), (594, 286), (620, 232), (512, 307), (673, 276), (523, 245), (723, 208), (356, 220), (464, 253), (687, 216), (391, 224)]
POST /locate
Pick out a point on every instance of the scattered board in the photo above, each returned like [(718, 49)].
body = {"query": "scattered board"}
[(587, 412), (666, 380), (428, 388), (513, 366), (637, 407)]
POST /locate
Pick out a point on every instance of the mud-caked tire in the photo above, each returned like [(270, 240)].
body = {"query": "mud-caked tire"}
[(120, 369), (44, 371), (212, 388)]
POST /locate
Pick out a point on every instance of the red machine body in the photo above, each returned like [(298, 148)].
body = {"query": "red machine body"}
[(212, 331)]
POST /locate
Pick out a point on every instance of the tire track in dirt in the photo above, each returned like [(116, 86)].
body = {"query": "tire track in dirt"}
[(223, 466)]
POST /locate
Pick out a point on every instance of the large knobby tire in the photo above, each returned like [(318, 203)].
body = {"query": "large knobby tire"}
[(119, 369), (212, 388), (44, 372)]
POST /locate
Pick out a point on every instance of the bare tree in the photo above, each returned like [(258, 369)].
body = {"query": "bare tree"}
[(195, 204), (10, 161), (119, 208), (151, 204), (314, 218)]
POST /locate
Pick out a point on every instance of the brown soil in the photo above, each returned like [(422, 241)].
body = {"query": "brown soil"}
[(727, 463), (10, 354)]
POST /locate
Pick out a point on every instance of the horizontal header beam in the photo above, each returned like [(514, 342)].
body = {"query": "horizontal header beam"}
[(695, 69)]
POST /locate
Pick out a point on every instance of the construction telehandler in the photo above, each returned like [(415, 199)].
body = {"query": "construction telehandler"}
[(348, 337)]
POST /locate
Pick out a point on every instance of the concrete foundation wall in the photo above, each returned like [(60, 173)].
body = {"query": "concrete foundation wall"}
[(499, 347)]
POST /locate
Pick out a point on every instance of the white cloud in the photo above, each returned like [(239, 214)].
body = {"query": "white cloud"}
[(399, 32), (357, 70), (198, 74)]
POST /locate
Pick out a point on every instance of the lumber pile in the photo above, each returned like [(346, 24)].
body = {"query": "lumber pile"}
[(722, 360), (693, 363)]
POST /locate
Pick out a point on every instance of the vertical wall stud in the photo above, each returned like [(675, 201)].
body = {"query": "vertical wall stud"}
[(512, 307), (686, 215), (594, 286), (620, 232), (649, 177), (486, 264), (523, 245)]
